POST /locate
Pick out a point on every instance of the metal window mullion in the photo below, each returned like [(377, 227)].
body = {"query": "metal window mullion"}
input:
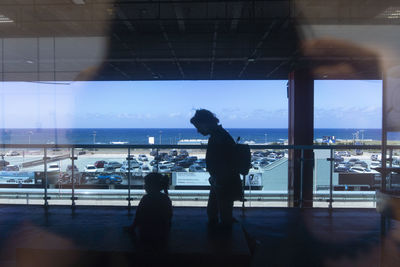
[(73, 178), (129, 178), (331, 179), (45, 177), (301, 178)]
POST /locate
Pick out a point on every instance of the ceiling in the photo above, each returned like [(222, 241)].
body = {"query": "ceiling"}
[(191, 40)]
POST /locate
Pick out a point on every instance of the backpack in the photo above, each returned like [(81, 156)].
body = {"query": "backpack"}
[(242, 157)]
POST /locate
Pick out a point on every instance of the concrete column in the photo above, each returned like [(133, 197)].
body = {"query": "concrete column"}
[(301, 132)]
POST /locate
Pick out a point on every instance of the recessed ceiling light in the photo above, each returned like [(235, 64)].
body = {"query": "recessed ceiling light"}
[(4, 19), (29, 61), (78, 2), (392, 12)]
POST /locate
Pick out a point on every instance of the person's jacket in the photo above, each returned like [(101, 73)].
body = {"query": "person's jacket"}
[(220, 162)]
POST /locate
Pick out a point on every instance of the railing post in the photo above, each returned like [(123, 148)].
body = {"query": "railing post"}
[(129, 158), (243, 195), (46, 204), (332, 159), (73, 178), (390, 166), (301, 178)]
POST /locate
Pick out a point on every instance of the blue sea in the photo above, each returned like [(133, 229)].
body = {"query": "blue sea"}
[(164, 136)]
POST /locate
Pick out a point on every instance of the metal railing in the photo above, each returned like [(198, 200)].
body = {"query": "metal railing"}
[(130, 194)]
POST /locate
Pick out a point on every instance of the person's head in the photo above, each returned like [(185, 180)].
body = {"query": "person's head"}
[(155, 182), (204, 121)]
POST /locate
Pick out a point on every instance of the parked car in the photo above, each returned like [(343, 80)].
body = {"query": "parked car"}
[(178, 169), (338, 158), (90, 168), (169, 164), (193, 158), (109, 169), (153, 162), (109, 179), (196, 168), (375, 164), (100, 163), (133, 162), (69, 169), (11, 168), (162, 168), (126, 169), (361, 163), (53, 168), (342, 168), (183, 153), (3, 163), (12, 153), (201, 162), (144, 168), (359, 170), (343, 153), (142, 157), (114, 164), (374, 157), (173, 153), (161, 156)]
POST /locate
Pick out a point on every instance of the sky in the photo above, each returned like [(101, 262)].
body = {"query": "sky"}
[(171, 104)]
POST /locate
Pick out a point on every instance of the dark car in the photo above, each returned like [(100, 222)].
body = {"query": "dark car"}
[(183, 153), (69, 169), (201, 162), (162, 156), (153, 162), (100, 163), (338, 158), (173, 152), (193, 158), (185, 163), (3, 163), (178, 169), (11, 168), (196, 168)]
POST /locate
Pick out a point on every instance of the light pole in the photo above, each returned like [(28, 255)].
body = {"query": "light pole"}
[(160, 137), (29, 136), (94, 137)]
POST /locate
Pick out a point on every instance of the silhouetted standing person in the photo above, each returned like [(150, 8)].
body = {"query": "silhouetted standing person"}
[(224, 177), (154, 212)]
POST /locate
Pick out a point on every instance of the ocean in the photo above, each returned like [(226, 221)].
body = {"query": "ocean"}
[(165, 136)]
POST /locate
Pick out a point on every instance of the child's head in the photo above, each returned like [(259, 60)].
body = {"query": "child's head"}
[(155, 182)]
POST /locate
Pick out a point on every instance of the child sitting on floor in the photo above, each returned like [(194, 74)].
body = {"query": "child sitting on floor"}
[(154, 212)]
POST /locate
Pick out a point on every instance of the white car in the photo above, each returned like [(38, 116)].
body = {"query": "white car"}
[(53, 168), (90, 168), (143, 157), (144, 168), (161, 169), (167, 164), (359, 170), (134, 164), (12, 153)]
